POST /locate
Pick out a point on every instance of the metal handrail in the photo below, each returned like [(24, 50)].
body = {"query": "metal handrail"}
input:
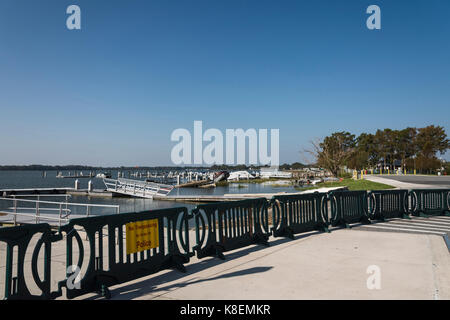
[(137, 187), (40, 195), (68, 203), (131, 181), (63, 215), (33, 216), (137, 183)]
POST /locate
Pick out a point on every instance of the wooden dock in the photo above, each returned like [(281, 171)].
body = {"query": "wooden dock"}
[(217, 198), (94, 193), (33, 191), (56, 191), (195, 184)]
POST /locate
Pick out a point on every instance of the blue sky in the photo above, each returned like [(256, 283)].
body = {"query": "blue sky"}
[(112, 93)]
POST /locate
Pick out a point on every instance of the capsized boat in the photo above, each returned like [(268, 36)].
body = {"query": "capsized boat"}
[(220, 175)]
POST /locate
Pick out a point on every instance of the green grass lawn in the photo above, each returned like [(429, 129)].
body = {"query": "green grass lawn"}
[(352, 185)]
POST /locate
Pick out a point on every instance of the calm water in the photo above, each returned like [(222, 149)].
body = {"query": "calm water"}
[(36, 179)]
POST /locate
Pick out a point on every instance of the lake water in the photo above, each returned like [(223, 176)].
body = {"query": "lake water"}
[(36, 179)]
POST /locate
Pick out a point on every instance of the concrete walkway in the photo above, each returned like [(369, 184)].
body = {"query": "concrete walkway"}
[(397, 184), (438, 225), (314, 266)]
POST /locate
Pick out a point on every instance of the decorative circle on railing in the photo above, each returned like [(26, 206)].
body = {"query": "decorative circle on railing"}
[(201, 228), (414, 202), (448, 200), (34, 263), (182, 239), (372, 204), (264, 214), (74, 234), (405, 202), (333, 205), (324, 208), (276, 214)]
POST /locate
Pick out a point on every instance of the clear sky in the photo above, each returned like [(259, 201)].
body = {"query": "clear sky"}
[(112, 93)]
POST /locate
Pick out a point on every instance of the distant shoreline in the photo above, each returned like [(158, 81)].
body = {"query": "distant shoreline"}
[(84, 168), (75, 167)]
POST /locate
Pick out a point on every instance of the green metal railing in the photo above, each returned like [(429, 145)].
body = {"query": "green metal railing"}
[(225, 226), (387, 204), (430, 202), (100, 242), (348, 207), (293, 214), (17, 240), (123, 267)]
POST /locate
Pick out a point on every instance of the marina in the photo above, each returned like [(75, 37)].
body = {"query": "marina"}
[(38, 195)]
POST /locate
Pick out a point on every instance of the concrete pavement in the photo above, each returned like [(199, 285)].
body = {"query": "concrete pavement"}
[(411, 182), (438, 225), (314, 266)]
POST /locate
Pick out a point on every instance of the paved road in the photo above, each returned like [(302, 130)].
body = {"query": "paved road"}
[(438, 181)]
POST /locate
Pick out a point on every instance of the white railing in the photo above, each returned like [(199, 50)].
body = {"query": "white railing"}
[(137, 188), (51, 211)]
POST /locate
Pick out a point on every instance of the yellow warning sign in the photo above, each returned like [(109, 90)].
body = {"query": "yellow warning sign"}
[(142, 235)]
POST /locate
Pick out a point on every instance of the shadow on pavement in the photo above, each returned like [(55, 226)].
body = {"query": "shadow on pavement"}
[(148, 286), (141, 288)]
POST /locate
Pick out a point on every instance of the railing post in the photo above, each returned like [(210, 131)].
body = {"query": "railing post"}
[(60, 213), (67, 202), (15, 211), (37, 211)]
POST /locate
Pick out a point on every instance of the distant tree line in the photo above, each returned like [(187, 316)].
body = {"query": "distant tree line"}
[(294, 166), (37, 167), (410, 148)]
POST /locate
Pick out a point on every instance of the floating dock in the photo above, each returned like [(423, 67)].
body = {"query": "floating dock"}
[(55, 191), (198, 198), (202, 198), (33, 191), (195, 184)]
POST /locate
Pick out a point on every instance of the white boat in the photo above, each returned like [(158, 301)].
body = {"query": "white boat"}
[(103, 175), (267, 173), (240, 175), (316, 181)]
